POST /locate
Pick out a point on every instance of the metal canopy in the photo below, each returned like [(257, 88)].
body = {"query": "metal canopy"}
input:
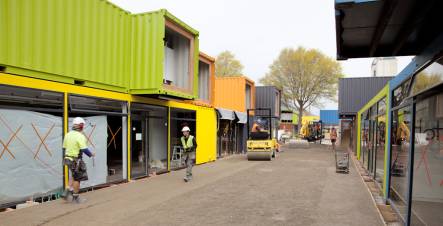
[(242, 117), (379, 28), (225, 114)]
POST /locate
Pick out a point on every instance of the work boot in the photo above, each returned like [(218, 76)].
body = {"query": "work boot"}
[(77, 199), (67, 195), (186, 179)]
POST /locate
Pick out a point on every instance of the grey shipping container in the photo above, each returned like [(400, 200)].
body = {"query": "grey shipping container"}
[(354, 93), (268, 97)]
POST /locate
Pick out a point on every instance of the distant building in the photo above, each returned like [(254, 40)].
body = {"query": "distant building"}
[(353, 94), (329, 117), (287, 124), (384, 67)]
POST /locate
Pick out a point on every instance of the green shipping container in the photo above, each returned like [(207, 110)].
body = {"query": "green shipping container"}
[(83, 42), (165, 56), (96, 44)]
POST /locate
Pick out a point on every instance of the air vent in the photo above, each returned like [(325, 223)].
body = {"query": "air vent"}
[(79, 82)]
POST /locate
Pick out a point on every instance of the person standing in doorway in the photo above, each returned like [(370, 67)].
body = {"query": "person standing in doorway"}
[(74, 146), (333, 138), (189, 146)]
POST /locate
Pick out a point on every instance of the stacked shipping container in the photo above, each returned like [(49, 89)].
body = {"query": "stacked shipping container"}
[(89, 58)]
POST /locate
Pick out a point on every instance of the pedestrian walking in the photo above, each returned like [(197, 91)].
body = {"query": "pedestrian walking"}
[(189, 145), (333, 138), (74, 146)]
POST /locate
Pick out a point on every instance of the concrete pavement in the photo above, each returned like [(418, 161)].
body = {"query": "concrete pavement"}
[(299, 188)]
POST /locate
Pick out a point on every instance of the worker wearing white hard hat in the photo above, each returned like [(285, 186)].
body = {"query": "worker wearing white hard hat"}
[(189, 145), (74, 146)]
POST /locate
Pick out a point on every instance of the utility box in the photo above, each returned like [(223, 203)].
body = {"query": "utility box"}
[(165, 56), (268, 97)]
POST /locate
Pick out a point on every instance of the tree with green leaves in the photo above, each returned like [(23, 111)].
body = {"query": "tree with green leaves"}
[(305, 76), (227, 65), (424, 80)]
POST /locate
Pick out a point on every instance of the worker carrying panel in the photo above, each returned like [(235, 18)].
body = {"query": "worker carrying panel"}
[(96, 134)]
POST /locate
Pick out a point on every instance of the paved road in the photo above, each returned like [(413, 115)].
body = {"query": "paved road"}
[(299, 188)]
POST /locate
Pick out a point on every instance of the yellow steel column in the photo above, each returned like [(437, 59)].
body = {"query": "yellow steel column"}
[(129, 141), (169, 138), (65, 131)]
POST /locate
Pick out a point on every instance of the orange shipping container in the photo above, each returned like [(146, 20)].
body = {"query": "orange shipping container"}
[(234, 93)]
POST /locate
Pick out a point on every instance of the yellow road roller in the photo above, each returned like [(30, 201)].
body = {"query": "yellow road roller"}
[(260, 144)]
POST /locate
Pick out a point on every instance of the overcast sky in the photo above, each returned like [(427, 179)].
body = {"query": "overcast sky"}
[(256, 30)]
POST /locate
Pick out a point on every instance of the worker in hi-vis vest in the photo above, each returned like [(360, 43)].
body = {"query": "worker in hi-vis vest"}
[(189, 146), (74, 146)]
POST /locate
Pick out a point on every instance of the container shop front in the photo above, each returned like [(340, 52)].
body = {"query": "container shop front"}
[(226, 131), (372, 136), (354, 93), (231, 132), (178, 119), (31, 131), (33, 120), (416, 178), (149, 139), (106, 132), (34, 116), (414, 106), (241, 132), (203, 124)]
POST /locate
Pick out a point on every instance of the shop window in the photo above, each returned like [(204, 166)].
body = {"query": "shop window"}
[(226, 136), (427, 192), (429, 77), (31, 135), (248, 97), (381, 109), (380, 137), (30, 99), (364, 139), (372, 144), (203, 80), (380, 149), (105, 130), (400, 93), (400, 143), (149, 135), (179, 119), (178, 58)]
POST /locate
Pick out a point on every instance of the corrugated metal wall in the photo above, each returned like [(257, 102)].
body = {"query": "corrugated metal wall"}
[(64, 40), (329, 117), (354, 93), (92, 41), (148, 51), (268, 97), (229, 93), (147, 70)]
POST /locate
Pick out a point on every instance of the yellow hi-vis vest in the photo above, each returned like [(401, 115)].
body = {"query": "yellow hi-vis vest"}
[(189, 144)]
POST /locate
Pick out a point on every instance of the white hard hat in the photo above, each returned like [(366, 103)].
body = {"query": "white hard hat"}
[(186, 129), (78, 121)]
